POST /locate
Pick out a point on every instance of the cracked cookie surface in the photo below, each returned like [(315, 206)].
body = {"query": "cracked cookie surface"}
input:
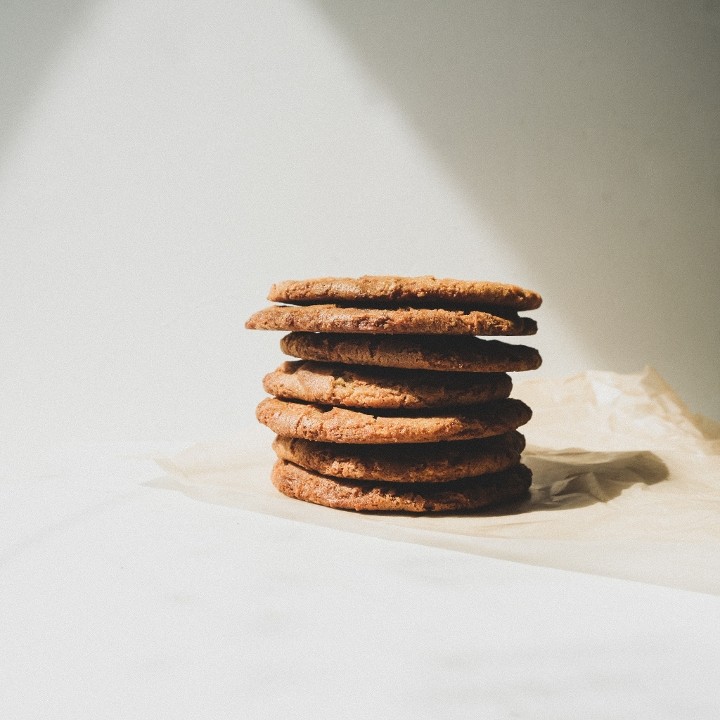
[(372, 387), (461, 495), (325, 423), (424, 352), (429, 462), (399, 321)]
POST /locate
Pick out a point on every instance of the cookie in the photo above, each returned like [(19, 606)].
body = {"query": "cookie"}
[(425, 291), (369, 387), (460, 495), (324, 423), (413, 321), (415, 352), (429, 462)]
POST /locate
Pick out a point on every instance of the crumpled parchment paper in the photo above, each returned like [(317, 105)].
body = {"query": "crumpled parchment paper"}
[(626, 483)]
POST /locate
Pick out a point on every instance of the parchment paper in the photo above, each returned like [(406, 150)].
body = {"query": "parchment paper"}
[(626, 483)]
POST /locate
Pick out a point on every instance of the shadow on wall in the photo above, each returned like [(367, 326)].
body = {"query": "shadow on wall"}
[(589, 134), (32, 33)]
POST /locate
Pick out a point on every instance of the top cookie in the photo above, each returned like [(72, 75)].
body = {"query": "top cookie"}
[(424, 291)]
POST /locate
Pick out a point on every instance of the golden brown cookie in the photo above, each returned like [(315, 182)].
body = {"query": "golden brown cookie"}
[(424, 291), (413, 321), (324, 423), (372, 387), (460, 495), (415, 352), (428, 462)]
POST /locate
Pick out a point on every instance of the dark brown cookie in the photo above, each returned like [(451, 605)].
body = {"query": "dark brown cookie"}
[(372, 387), (412, 321), (425, 352), (429, 462), (457, 496), (334, 424), (425, 291)]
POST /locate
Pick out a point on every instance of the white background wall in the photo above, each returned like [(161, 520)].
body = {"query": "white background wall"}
[(162, 163)]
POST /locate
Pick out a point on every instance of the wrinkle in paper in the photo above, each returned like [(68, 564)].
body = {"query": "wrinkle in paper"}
[(626, 483)]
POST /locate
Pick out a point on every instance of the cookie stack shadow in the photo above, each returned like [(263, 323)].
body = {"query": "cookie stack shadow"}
[(394, 403)]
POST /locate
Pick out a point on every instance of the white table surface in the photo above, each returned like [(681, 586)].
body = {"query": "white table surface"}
[(124, 600)]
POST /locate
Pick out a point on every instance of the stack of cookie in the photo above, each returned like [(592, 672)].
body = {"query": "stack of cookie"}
[(394, 403)]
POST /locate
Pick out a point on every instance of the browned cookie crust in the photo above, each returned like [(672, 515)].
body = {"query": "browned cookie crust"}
[(426, 352), (335, 424), (429, 462), (459, 495), (425, 291), (370, 387), (414, 321)]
